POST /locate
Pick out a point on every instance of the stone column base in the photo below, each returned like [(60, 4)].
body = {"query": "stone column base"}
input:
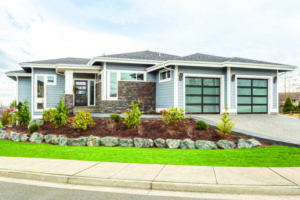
[(69, 102)]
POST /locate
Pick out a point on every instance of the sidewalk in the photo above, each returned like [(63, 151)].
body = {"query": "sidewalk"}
[(232, 180)]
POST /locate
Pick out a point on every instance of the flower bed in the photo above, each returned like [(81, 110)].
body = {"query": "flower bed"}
[(150, 133)]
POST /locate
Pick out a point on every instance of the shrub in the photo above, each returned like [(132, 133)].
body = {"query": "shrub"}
[(82, 120), (172, 115), (60, 115), (1, 125), (288, 106), (33, 128), (13, 104), (48, 114), (23, 114), (115, 117), (6, 118), (133, 116), (226, 125), (201, 125)]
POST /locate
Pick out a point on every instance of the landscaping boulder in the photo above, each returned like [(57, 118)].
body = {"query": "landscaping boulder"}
[(36, 138), (173, 143), (244, 144), (61, 141), (225, 144), (3, 135), (36, 121), (126, 142), (109, 141), (148, 143), (51, 139), (254, 142), (205, 144), (24, 138), (138, 142), (160, 143), (93, 141), (15, 136), (81, 141), (187, 144)]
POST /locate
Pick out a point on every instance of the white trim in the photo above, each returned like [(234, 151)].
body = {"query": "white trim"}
[(18, 74), (88, 89), (176, 86), (69, 83), (270, 89), (222, 83), (167, 79), (129, 71), (104, 82), (278, 104), (228, 76), (32, 92), (17, 89), (108, 85), (122, 60), (219, 65)]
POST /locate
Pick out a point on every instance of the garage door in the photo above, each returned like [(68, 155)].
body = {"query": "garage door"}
[(202, 95), (252, 95)]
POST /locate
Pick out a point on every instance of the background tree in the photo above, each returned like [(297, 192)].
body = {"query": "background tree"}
[(288, 106)]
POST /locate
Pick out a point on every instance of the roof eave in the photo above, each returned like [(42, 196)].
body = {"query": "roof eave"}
[(123, 60)]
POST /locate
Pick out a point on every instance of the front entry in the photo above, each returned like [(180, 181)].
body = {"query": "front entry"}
[(202, 95), (81, 93)]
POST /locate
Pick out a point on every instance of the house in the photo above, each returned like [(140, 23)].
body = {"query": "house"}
[(295, 97), (198, 83)]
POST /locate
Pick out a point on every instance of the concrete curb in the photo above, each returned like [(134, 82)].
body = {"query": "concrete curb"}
[(153, 185), (258, 136)]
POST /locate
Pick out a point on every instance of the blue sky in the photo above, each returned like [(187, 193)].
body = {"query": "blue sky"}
[(32, 30)]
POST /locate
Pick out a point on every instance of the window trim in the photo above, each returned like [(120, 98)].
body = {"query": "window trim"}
[(167, 79), (36, 98), (54, 80), (144, 74)]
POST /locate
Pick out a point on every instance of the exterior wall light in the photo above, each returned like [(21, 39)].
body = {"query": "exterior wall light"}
[(180, 76)]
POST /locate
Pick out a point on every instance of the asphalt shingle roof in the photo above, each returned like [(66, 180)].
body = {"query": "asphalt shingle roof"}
[(204, 57), (69, 60), (145, 55)]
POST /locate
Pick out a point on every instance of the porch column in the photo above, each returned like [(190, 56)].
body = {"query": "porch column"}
[(69, 90)]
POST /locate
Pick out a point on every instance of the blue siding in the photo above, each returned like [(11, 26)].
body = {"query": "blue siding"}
[(54, 92), (24, 89), (254, 72), (126, 67), (198, 71), (164, 92)]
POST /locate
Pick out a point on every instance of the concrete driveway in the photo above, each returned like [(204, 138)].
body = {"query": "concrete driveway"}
[(279, 127)]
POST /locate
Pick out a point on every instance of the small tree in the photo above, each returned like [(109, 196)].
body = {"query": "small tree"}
[(23, 114), (288, 106), (133, 116), (226, 125), (60, 115), (172, 115), (13, 104)]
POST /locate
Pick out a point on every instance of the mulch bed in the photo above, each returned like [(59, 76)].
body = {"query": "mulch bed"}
[(151, 129)]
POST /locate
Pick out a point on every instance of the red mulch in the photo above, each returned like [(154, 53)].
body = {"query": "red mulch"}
[(148, 129)]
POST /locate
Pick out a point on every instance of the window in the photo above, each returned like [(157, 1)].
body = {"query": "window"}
[(113, 84), (128, 76), (40, 92), (165, 75), (92, 93)]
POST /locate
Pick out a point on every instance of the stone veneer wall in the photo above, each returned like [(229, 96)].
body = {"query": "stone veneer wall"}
[(129, 91), (69, 102)]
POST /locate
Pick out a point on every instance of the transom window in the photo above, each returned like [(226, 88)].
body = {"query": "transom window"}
[(165, 75), (128, 76)]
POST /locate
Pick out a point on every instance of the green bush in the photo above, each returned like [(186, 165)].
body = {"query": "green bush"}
[(82, 120), (60, 115), (23, 113), (33, 128), (13, 104), (172, 115), (288, 106), (226, 125), (201, 125), (48, 114), (133, 116), (1, 125), (115, 117), (6, 118)]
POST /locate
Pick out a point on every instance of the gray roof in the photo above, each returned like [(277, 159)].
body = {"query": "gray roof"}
[(145, 55), (151, 55), (204, 57), (69, 60)]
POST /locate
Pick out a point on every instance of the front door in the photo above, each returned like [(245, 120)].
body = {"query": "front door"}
[(81, 93)]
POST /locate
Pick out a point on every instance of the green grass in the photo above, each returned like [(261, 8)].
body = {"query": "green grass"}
[(272, 156)]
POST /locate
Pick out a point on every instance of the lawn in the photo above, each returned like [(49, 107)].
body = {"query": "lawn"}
[(271, 156)]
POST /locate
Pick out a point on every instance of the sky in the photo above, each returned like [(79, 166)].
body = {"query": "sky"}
[(34, 30)]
